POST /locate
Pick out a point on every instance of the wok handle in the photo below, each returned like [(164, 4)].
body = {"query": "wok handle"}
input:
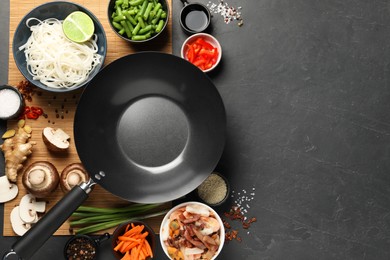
[(34, 238)]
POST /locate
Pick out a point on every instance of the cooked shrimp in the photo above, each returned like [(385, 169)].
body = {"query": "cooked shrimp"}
[(211, 225), (198, 209)]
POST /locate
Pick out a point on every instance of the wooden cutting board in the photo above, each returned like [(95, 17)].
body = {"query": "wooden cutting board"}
[(60, 109)]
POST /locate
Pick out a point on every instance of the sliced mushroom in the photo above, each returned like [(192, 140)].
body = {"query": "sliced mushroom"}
[(72, 175), (18, 225), (40, 178), (29, 208), (55, 139), (8, 191)]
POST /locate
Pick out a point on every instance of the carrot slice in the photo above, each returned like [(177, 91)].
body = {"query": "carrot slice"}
[(126, 256), (118, 246), (148, 248), (123, 238)]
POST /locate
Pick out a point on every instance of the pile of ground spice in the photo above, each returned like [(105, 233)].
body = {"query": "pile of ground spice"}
[(213, 190), (80, 248)]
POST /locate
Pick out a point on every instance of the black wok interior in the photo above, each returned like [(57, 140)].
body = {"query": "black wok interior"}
[(150, 127)]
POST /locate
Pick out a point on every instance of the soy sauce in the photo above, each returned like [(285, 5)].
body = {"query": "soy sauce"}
[(196, 20)]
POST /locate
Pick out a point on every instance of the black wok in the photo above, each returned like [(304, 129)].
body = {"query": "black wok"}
[(150, 127)]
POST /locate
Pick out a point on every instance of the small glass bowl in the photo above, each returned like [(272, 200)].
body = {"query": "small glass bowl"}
[(20, 107)]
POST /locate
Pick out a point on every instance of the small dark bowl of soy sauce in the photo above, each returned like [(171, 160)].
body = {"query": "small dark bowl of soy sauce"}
[(194, 17)]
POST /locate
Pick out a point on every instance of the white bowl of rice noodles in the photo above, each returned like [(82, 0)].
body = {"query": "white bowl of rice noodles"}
[(47, 58)]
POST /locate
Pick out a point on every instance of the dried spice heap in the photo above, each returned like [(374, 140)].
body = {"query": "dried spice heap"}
[(228, 13), (235, 213), (238, 212), (81, 248), (27, 90)]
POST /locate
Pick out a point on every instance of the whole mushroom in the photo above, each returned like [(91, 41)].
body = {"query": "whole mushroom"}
[(72, 175), (40, 178)]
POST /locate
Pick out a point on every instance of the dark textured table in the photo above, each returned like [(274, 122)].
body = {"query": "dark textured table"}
[(307, 94)]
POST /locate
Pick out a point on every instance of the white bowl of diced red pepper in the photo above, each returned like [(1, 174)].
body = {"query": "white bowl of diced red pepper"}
[(202, 50)]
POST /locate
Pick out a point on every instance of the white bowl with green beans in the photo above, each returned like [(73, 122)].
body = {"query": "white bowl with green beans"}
[(138, 20)]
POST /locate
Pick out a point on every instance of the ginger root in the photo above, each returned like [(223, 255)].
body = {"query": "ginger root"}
[(16, 150)]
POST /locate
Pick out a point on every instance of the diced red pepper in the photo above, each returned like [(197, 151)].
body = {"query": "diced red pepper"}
[(190, 53), (202, 54), (204, 44)]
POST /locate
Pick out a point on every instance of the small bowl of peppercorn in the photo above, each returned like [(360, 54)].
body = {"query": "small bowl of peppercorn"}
[(83, 247), (213, 191)]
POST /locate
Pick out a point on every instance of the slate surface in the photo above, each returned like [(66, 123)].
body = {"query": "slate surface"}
[(306, 89)]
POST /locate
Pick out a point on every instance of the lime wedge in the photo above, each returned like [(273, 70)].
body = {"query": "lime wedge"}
[(78, 27)]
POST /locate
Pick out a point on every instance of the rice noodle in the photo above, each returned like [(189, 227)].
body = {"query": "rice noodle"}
[(56, 61)]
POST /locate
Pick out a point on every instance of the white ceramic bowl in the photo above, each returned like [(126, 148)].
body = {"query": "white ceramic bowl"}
[(208, 38), (164, 228)]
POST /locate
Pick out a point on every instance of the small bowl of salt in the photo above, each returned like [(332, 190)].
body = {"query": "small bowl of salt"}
[(214, 190), (11, 102)]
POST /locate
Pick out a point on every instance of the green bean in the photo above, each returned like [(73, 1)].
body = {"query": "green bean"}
[(131, 27), (136, 2), (125, 3), (157, 7), (146, 29), (163, 15), (136, 29), (132, 20), (157, 17), (147, 11), (121, 31), (127, 29), (159, 26), (117, 25), (141, 21), (142, 9), (119, 18), (119, 11), (141, 37), (151, 16)]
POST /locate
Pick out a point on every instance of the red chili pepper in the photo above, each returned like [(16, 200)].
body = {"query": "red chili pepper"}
[(32, 115), (37, 110), (26, 109)]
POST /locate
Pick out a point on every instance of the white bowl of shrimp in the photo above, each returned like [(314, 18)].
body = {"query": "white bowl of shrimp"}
[(191, 231)]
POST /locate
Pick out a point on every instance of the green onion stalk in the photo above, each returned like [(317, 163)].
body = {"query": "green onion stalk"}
[(86, 220)]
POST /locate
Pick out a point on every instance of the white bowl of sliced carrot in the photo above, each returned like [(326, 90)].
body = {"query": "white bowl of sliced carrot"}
[(192, 230), (133, 240)]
